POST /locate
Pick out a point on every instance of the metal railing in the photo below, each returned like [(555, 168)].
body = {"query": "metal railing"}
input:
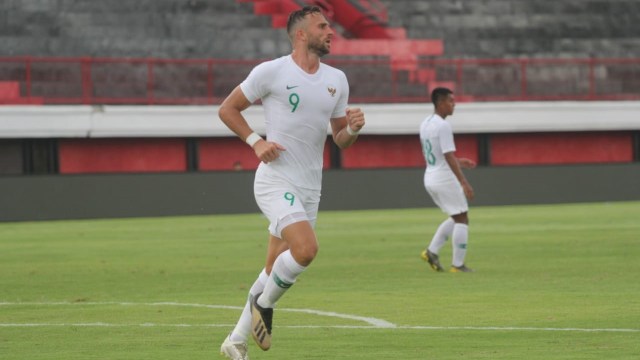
[(149, 81)]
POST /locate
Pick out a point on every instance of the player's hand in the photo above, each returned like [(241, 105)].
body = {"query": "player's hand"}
[(466, 163), (267, 151), (468, 190), (355, 119)]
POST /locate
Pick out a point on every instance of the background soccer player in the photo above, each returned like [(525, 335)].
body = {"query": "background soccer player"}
[(301, 97), (445, 182)]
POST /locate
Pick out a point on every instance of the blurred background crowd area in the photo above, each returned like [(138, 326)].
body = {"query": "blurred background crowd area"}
[(196, 51)]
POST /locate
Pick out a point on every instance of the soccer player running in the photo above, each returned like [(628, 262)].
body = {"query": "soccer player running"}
[(445, 182), (301, 96)]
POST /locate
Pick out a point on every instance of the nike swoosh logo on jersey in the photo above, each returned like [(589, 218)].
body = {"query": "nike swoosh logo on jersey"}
[(292, 87)]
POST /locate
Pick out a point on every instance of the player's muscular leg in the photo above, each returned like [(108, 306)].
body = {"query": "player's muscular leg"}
[(276, 247), (462, 218), (302, 241)]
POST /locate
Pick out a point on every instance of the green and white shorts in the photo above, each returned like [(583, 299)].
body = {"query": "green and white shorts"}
[(449, 196), (283, 203)]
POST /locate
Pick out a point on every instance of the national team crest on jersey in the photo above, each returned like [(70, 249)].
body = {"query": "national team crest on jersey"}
[(331, 91)]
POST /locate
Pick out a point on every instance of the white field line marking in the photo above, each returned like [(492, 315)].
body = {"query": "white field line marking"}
[(374, 323), (514, 328), (371, 321), (474, 328)]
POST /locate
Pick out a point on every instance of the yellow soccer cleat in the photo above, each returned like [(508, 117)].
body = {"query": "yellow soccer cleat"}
[(461, 268), (432, 259)]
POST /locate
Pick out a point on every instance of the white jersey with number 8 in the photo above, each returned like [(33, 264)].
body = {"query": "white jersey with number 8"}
[(436, 137)]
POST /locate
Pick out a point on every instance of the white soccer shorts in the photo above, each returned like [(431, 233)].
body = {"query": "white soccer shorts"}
[(285, 204), (449, 196)]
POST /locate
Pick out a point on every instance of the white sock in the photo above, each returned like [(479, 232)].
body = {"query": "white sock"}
[(284, 273), (243, 327), (459, 242), (440, 237)]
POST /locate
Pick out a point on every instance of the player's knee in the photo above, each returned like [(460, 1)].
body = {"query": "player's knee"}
[(305, 252), (462, 218), (302, 242)]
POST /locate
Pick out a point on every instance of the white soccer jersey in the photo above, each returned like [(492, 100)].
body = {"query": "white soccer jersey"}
[(436, 137), (297, 108)]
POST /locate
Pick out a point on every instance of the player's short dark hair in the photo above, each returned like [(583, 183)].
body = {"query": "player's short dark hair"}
[(438, 94), (297, 16)]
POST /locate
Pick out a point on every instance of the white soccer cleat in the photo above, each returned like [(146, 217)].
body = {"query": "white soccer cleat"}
[(234, 350)]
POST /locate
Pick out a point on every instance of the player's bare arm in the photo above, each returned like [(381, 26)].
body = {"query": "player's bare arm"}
[(230, 113), (454, 164), (466, 163), (354, 119)]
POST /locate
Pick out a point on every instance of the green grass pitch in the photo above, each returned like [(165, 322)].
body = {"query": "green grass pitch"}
[(551, 282)]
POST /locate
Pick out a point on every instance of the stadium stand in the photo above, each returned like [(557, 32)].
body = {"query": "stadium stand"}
[(506, 28), (137, 29), (210, 29), (78, 49)]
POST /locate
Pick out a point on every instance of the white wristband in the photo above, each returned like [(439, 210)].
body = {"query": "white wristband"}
[(252, 139), (351, 131)]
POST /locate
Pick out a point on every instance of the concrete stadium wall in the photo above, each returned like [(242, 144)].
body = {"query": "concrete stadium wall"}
[(83, 121), (134, 194), (54, 197)]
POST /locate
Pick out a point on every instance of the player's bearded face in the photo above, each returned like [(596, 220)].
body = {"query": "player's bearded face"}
[(319, 45), (319, 35)]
